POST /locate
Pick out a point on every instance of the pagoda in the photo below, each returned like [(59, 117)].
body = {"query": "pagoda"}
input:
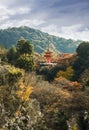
[(48, 56)]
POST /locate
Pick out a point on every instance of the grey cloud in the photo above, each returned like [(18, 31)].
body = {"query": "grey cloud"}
[(48, 13)]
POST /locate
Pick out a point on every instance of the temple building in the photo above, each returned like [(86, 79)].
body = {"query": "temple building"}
[(48, 56)]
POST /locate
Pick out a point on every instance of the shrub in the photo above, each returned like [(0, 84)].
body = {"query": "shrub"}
[(10, 74), (68, 73), (84, 78), (18, 111), (26, 62)]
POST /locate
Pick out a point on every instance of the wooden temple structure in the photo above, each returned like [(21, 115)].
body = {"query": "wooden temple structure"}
[(48, 58)]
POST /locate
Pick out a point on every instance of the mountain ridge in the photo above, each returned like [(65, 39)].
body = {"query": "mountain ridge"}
[(40, 39)]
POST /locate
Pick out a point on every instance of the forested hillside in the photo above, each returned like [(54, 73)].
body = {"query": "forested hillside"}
[(9, 36), (34, 97)]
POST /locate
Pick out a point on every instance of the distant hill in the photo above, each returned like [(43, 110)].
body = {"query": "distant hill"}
[(9, 37)]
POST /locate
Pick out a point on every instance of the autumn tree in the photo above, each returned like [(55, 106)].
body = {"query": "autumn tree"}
[(18, 110), (68, 73), (10, 74)]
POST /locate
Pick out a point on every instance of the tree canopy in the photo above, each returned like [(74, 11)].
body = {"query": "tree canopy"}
[(83, 50), (21, 55), (82, 61), (24, 46)]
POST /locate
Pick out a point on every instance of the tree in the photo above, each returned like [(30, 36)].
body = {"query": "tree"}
[(24, 46), (82, 60), (68, 73), (10, 74), (83, 50), (25, 58), (18, 110), (12, 55), (3, 53), (22, 55), (26, 62)]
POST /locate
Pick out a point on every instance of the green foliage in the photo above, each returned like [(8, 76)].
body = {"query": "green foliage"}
[(40, 39), (49, 74), (24, 46), (14, 75), (83, 50), (82, 60), (26, 62), (12, 55), (21, 55), (3, 52), (10, 74)]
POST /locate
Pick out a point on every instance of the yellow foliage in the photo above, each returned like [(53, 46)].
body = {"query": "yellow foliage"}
[(19, 93), (68, 73), (75, 128), (14, 70), (24, 92), (21, 85)]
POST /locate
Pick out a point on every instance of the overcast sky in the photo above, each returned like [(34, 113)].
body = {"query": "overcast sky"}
[(63, 18)]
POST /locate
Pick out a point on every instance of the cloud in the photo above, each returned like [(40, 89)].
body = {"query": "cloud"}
[(9, 15), (27, 22), (12, 11), (63, 18), (77, 32), (51, 29), (6, 2)]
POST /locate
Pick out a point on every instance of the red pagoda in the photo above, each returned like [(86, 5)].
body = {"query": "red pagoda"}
[(48, 56)]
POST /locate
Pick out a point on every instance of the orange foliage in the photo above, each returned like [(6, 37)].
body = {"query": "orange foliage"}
[(76, 84), (66, 84)]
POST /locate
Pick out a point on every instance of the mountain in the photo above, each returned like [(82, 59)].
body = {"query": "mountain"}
[(41, 40)]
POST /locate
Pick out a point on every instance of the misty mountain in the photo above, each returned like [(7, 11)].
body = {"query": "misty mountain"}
[(41, 40)]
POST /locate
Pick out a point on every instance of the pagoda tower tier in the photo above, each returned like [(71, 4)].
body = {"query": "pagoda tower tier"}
[(48, 56)]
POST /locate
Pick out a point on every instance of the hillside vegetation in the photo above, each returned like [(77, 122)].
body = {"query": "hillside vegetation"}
[(34, 97), (9, 36)]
